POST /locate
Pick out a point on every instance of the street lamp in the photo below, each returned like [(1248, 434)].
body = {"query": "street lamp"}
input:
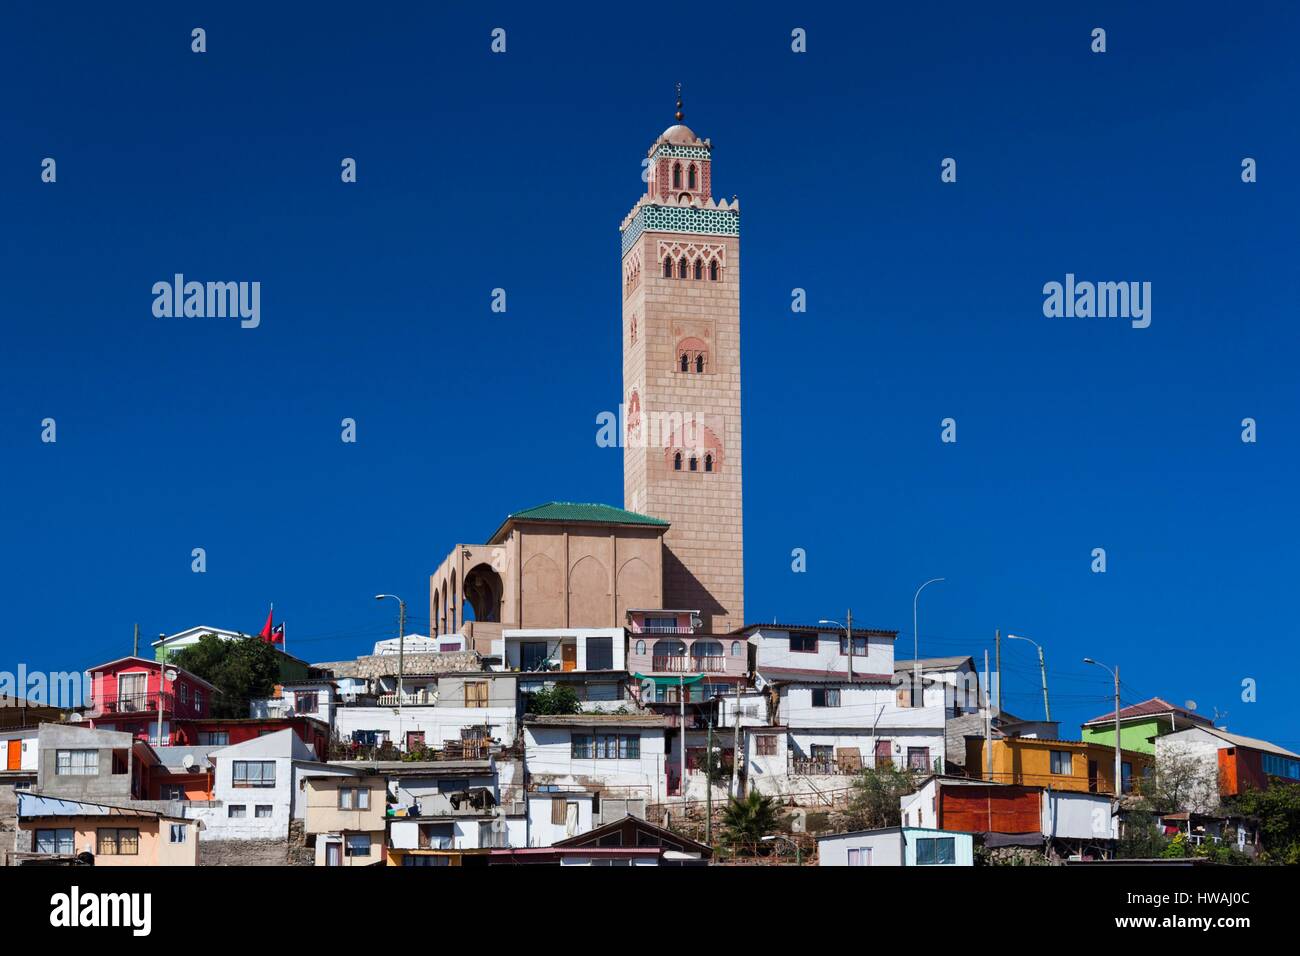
[(848, 637), (1042, 666), (1114, 673), (401, 653), (798, 855), (916, 644)]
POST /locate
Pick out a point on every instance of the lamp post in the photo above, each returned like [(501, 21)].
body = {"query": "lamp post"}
[(401, 653), (916, 644), (798, 854), (848, 637), (1042, 666), (1114, 673)]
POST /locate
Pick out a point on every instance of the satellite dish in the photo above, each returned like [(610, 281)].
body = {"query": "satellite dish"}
[(171, 674), (188, 761), (74, 718), (1189, 704)]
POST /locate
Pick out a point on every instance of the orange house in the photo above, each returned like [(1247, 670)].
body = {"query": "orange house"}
[(1073, 765)]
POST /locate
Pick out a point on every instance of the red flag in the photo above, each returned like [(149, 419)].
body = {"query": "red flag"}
[(277, 634), (266, 628)]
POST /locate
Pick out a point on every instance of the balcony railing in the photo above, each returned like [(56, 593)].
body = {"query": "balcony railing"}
[(687, 664), (418, 697), (136, 703), (665, 629), (829, 766)]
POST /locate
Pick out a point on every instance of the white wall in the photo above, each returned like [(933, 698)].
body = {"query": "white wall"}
[(507, 646), (886, 848), (1078, 816), (27, 759), (282, 748), (774, 652), (542, 832), (439, 723), (548, 757)]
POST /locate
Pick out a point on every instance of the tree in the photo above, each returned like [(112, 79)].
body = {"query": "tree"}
[(240, 670), (874, 801), (1141, 839), (554, 700), (1180, 781), (1278, 811), (750, 819)]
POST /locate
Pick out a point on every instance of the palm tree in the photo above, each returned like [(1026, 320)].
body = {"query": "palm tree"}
[(748, 820)]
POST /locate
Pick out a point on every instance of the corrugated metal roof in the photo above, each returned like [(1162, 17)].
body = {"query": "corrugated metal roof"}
[(794, 675), (1148, 708), (830, 630), (39, 805), (934, 663), (595, 720)]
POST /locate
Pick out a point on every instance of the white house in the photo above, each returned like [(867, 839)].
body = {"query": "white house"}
[(18, 749), (822, 649), (255, 788), (459, 704), (306, 698), (562, 649), (896, 846), (578, 763)]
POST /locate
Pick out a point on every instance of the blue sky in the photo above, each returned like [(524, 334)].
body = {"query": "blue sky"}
[(479, 171)]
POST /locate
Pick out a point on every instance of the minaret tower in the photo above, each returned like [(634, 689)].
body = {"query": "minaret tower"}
[(681, 375)]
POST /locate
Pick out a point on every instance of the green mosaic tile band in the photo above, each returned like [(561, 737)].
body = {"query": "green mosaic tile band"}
[(684, 219), (682, 152)]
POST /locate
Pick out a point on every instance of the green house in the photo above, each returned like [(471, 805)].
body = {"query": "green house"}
[(1140, 723), (291, 668)]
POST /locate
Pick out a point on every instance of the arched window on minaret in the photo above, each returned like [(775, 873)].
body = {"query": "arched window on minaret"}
[(686, 362), (677, 175), (677, 462), (699, 362), (681, 268), (699, 269), (668, 267), (708, 463), (694, 464), (691, 178), (713, 270)]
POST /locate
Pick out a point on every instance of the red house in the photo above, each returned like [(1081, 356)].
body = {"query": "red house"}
[(135, 694)]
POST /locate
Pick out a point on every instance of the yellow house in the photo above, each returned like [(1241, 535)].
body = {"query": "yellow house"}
[(51, 829), (346, 816), (1073, 765)]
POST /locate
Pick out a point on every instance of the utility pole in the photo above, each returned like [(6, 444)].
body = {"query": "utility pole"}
[(708, 786), (735, 749), (681, 737), (135, 642), (848, 629), (1042, 667), (401, 656), (1118, 788), (988, 724), (997, 643)]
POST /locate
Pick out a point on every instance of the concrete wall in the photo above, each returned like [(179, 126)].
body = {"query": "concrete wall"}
[(774, 652), (101, 787), (438, 723), (548, 756), (577, 815), (324, 814)]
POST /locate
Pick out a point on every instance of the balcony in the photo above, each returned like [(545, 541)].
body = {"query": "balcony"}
[(828, 766), (665, 629), (700, 656), (417, 697), (137, 704)]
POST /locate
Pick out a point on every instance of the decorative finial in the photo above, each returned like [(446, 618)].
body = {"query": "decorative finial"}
[(679, 103)]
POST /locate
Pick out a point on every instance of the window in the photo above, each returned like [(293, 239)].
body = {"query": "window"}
[(681, 268), (1062, 762), (918, 758), (826, 697), (713, 270), (668, 267), (198, 699), (708, 463), (860, 856), (532, 654), (55, 841), (236, 811), (606, 746), (699, 268), (685, 362), (214, 738), (803, 643), (185, 694), (690, 181), (859, 646), (822, 753), (600, 653), (177, 833), (1275, 765), (476, 693), (765, 744), (253, 773), (356, 844), (426, 861), (171, 791), (677, 175), (121, 761), (437, 836), (936, 851), (699, 359), (677, 462), (735, 648), (694, 464), (358, 798), (76, 763), (306, 702), (117, 842), (1126, 776), (262, 811)]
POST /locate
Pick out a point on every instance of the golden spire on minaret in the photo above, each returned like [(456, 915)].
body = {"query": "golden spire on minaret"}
[(679, 103)]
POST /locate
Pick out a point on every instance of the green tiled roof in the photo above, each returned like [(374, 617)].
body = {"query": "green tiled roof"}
[(596, 514)]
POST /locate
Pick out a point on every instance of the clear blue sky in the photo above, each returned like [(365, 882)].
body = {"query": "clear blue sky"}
[(480, 171)]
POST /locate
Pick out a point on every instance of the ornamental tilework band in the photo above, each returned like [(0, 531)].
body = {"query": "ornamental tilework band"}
[(682, 152), (686, 219)]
